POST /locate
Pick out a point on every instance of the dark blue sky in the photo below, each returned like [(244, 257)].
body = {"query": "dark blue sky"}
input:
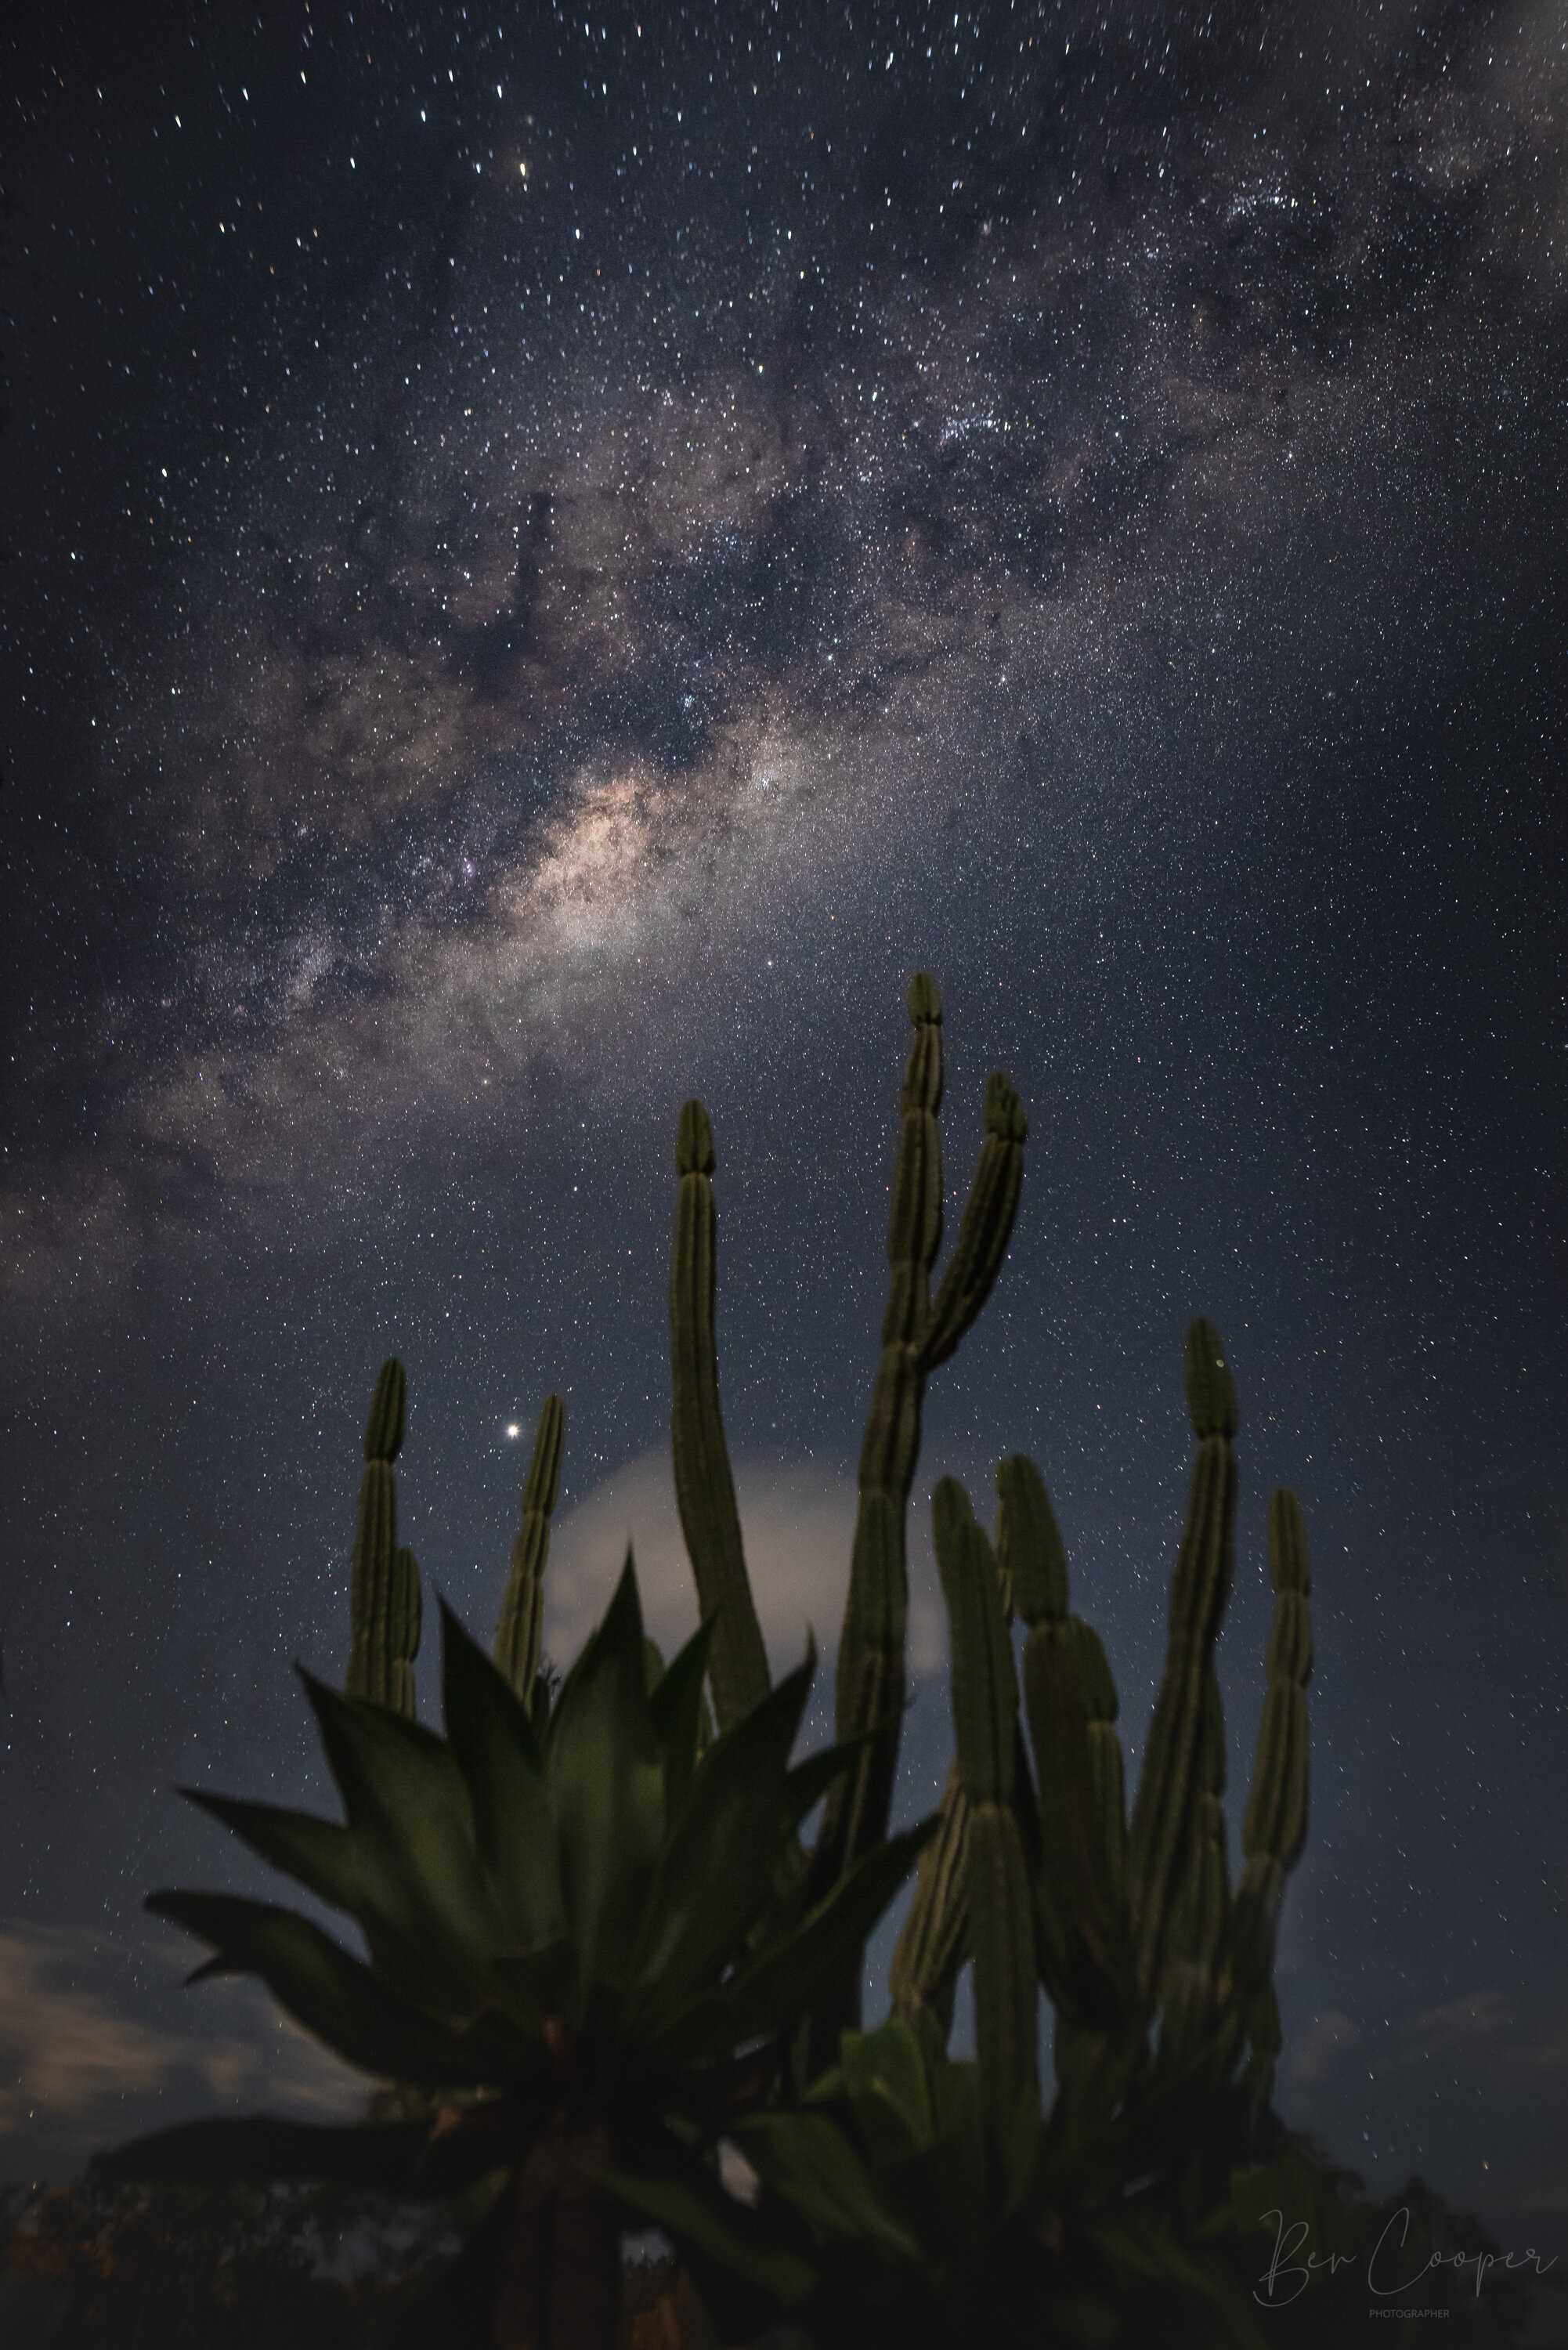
[(551, 562)]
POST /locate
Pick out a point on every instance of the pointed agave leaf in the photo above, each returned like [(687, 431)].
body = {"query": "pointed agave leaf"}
[(499, 1754), (336, 1997), (807, 2158), (607, 1787), (332, 1862), (397, 2159), (806, 1785), (406, 1798), (889, 2065), (774, 1989), (718, 1866), (676, 1706)]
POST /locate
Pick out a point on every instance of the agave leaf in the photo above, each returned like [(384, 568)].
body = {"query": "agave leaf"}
[(807, 2158), (676, 1709), (336, 1996), (498, 1755), (719, 2226), (775, 1989), (405, 1794), (606, 1783), (884, 2074), (397, 2159), (332, 1862), (717, 1867), (809, 1781)]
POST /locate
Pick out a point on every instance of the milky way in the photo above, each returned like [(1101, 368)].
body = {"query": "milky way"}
[(553, 562)]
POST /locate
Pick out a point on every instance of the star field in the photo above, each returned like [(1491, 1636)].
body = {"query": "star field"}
[(552, 560)]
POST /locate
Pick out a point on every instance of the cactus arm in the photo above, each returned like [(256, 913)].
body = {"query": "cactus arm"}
[(518, 1634), (1189, 1988), (1274, 1827), (916, 1335), (384, 1588), (1164, 1812), (996, 1883), (705, 1488), (934, 1941), (869, 1683), (986, 1228), (1029, 1555)]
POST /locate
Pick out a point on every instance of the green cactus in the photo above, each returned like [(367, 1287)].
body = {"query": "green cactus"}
[(1274, 1828), (384, 1590), (1170, 1783), (705, 1488), (996, 1882), (1137, 1927), (918, 1335), (522, 1606)]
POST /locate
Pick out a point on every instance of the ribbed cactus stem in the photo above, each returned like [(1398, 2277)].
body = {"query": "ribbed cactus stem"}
[(705, 1488), (985, 1722), (1189, 1988), (917, 1334), (1164, 1819), (1029, 1551), (1081, 1907), (1274, 1828), (934, 1941), (519, 1631), (384, 1588)]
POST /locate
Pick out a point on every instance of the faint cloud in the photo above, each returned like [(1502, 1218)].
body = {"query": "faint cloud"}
[(1320, 2046), (797, 1523), (79, 2071)]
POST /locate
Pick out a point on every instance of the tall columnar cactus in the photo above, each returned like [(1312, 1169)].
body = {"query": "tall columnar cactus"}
[(517, 1634), (384, 1592), (705, 1488), (1170, 1783), (1274, 1828), (996, 1882), (1081, 1905), (918, 1332)]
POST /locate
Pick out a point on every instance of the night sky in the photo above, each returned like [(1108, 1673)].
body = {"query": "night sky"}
[(551, 562)]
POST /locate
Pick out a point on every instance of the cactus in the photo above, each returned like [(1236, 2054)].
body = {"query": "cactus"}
[(1170, 1783), (996, 1883), (523, 1607), (918, 1335), (1274, 1827), (1131, 1927), (934, 1941), (705, 1488), (384, 1591)]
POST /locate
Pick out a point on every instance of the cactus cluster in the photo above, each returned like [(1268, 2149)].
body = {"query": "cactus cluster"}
[(1135, 1924)]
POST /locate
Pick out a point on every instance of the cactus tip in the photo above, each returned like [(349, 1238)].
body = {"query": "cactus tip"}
[(384, 1428), (1211, 1389), (925, 1003), (1003, 1111), (694, 1144)]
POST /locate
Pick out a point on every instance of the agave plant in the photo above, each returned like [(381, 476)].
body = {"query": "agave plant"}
[(562, 1953)]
